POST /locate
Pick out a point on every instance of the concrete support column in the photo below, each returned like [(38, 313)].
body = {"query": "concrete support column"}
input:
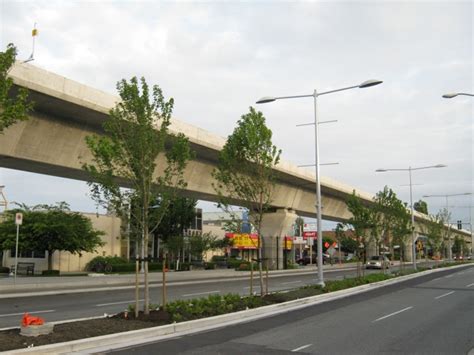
[(371, 248), (275, 226)]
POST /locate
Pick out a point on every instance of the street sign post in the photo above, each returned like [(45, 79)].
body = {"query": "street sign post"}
[(18, 222)]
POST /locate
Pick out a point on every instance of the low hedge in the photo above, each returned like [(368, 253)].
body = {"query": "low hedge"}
[(213, 305), (209, 265), (234, 263), (50, 273), (4, 270), (336, 285)]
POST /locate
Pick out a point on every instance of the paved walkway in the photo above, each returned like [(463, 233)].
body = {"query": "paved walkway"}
[(32, 284)]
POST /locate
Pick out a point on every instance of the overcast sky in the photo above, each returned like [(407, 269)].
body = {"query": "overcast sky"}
[(217, 58)]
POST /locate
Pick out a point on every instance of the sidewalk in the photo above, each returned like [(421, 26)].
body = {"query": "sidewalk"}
[(36, 284)]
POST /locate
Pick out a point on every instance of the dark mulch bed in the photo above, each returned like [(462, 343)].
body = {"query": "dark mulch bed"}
[(11, 339)]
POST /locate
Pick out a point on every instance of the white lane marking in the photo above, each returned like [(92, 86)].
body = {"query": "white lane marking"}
[(449, 276), (20, 314), (470, 285), (446, 294), (392, 314), (301, 348), (291, 282), (200, 293), (114, 303)]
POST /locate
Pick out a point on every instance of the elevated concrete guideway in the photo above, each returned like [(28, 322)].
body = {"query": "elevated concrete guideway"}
[(52, 142)]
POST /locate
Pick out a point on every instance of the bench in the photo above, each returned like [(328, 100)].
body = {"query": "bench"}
[(25, 268)]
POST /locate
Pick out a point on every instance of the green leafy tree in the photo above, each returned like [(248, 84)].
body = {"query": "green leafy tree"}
[(138, 151), (444, 216), (50, 228), (421, 206), (200, 244), (245, 175), (176, 219), (299, 223), (459, 246), (13, 106), (387, 211), (362, 221), (401, 228), (434, 232), (348, 245)]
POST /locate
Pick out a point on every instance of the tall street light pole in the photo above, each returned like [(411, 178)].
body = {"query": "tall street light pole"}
[(451, 95), (447, 210), (315, 96), (410, 169), (3, 199)]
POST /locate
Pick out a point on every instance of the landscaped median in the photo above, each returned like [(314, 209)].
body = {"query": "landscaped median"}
[(182, 317)]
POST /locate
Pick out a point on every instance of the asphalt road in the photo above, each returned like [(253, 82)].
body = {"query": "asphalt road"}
[(432, 314), (91, 304)]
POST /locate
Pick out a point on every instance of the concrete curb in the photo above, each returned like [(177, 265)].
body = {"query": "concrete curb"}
[(141, 336)]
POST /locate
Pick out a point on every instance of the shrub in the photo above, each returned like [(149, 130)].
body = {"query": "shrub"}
[(216, 258), (155, 266), (50, 273), (99, 262), (128, 267), (209, 266), (183, 310), (234, 263), (245, 266), (336, 285), (4, 270)]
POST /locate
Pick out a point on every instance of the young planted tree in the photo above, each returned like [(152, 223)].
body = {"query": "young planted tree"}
[(50, 228), (201, 244), (13, 107), (175, 221), (137, 151), (433, 230), (245, 174), (401, 229), (459, 246), (362, 221), (387, 211)]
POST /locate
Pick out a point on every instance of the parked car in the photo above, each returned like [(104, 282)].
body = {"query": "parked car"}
[(378, 262), (305, 259)]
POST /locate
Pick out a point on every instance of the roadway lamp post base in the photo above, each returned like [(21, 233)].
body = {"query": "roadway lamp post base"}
[(320, 283)]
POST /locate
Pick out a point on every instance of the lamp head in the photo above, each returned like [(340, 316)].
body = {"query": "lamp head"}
[(440, 166), (380, 170), (369, 83), (450, 96), (266, 99)]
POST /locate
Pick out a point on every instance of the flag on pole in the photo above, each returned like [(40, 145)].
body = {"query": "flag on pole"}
[(34, 33)]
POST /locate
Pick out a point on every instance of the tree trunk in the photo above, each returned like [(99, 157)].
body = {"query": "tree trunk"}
[(146, 309), (50, 260), (260, 269)]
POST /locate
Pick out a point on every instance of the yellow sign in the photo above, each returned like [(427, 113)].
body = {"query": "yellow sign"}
[(288, 243), (245, 241), (419, 246)]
